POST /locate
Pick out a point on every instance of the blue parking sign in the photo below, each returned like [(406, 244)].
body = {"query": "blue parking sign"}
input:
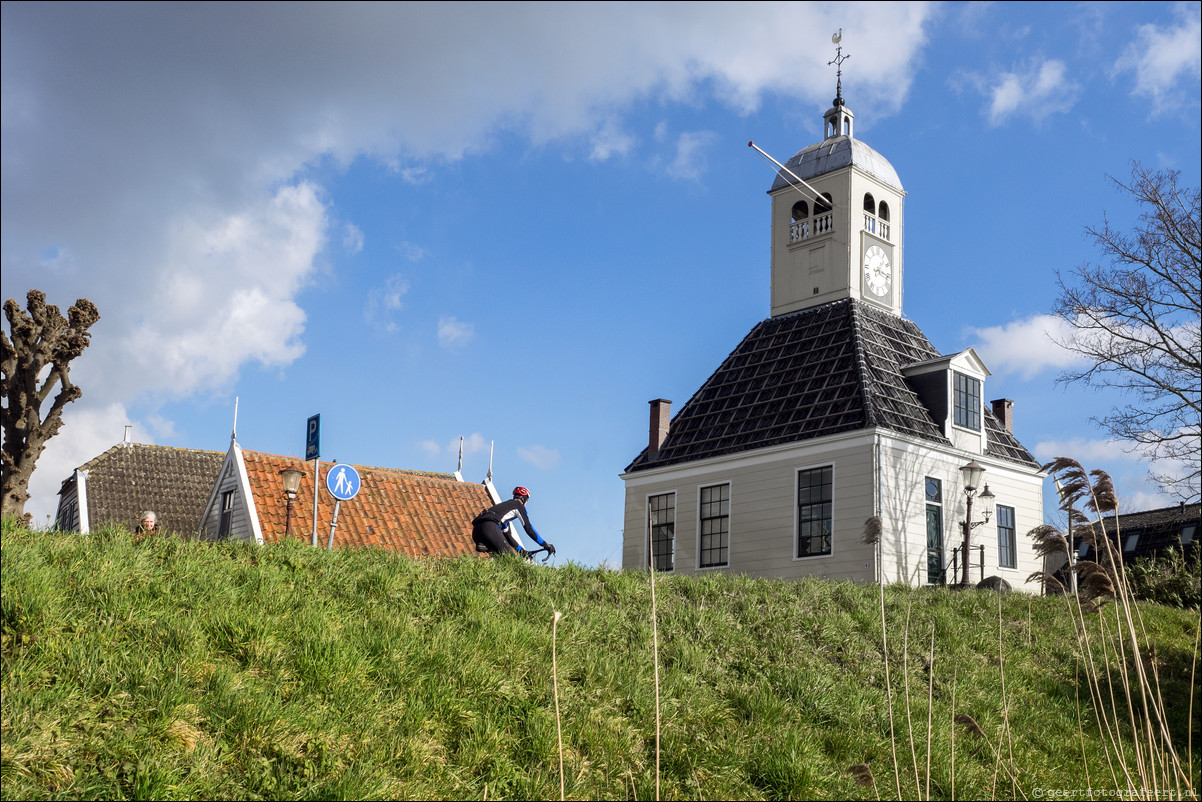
[(313, 438)]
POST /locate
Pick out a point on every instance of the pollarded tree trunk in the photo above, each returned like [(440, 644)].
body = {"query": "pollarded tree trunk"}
[(42, 341)]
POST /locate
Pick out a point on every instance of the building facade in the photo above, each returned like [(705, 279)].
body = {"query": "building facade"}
[(834, 414)]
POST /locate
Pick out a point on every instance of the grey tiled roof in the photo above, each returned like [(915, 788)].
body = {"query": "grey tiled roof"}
[(824, 370), (130, 478)]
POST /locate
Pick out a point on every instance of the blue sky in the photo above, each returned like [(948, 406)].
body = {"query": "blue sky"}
[(520, 223)]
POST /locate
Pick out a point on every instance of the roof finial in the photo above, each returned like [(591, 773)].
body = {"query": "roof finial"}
[(838, 60)]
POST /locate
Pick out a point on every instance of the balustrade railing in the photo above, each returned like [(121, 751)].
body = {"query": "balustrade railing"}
[(875, 225), (816, 226)]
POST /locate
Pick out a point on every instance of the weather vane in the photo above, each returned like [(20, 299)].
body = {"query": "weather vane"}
[(838, 60)]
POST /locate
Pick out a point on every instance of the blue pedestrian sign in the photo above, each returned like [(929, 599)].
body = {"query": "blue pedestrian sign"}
[(342, 481), (313, 438)]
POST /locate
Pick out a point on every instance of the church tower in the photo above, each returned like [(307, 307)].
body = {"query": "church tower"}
[(837, 221)]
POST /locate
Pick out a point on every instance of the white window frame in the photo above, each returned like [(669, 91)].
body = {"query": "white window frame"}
[(232, 497), (980, 411), (729, 525), (647, 534), (1013, 538), (796, 539)]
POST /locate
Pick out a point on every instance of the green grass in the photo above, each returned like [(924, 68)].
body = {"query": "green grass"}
[(179, 670)]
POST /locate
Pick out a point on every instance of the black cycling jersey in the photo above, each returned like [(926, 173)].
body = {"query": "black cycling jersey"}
[(504, 514)]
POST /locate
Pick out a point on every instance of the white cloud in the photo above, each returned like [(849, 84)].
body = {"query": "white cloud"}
[(385, 301), (540, 457), (1166, 62), (1035, 91), (414, 253), (218, 294), (454, 334), (690, 162), (430, 447), (1026, 346), (352, 238), (87, 433), (610, 140)]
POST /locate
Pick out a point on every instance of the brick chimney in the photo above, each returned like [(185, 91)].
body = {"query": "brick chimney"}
[(661, 417), (1003, 410)]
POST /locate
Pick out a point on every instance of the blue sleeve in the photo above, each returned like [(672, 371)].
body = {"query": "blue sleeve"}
[(530, 529)]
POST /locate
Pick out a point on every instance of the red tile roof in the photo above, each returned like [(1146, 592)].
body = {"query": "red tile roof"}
[(420, 514)]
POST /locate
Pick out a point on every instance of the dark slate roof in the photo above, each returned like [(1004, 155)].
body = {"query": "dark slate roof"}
[(1156, 530), (130, 478), (817, 372)]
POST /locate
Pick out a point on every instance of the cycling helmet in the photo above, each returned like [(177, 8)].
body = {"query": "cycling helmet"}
[(521, 491)]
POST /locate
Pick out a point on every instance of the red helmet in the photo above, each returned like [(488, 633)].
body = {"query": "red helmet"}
[(521, 491)]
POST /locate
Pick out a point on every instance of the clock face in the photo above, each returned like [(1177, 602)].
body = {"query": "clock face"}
[(878, 273)]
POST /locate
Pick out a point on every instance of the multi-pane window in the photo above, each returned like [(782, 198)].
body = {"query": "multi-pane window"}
[(67, 517), (1006, 543), (815, 492), (715, 526), (227, 515), (661, 512), (934, 497), (966, 394)]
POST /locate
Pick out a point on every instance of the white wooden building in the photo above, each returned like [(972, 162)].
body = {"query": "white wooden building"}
[(833, 410)]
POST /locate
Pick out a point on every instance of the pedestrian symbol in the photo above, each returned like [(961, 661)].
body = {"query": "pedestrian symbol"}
[(342, 481)]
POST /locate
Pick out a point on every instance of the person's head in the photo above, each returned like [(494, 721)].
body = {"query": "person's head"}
[(148, 519), (521, 494)]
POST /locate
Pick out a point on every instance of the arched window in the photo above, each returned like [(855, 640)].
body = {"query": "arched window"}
[(801, 210), (869, 203), (883, 211), (822, 208)]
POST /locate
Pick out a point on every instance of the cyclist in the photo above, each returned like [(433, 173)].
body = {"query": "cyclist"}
[(493, 531)]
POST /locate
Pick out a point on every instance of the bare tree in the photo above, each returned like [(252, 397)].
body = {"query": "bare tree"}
[(36, 359), (1136, 321)]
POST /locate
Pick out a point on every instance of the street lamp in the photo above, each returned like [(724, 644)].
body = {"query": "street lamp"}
[(292, 478), (971, 474)]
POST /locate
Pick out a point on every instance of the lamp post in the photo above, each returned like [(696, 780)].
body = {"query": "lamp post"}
[(972, 473), (292, 478)]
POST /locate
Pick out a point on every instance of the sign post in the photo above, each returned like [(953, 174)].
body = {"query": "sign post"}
[(313, 452), (343, 483)]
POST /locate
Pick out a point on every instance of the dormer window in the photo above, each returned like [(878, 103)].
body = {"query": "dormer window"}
[(966, 399)]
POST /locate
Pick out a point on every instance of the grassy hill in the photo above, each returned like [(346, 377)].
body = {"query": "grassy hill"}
[(184, 670)]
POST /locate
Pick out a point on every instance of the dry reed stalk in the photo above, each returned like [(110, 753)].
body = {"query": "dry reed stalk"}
[(955, 676), (655, 656), (555, 685), (906, 682), (1190, 731), (889, 693), (1001, 663), (1080, 727), (930, 706), (1114, 705)]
